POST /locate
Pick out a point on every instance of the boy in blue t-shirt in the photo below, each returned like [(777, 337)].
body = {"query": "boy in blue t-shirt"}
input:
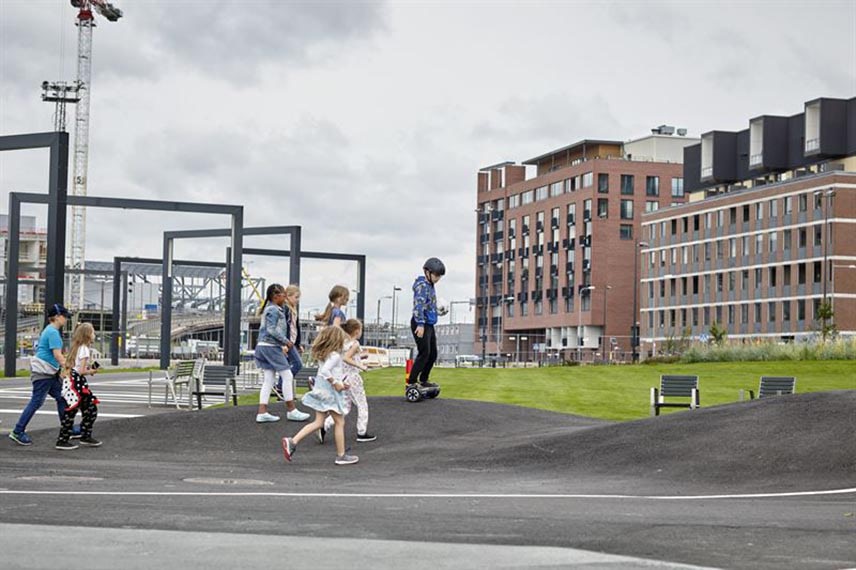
[(45, 367)]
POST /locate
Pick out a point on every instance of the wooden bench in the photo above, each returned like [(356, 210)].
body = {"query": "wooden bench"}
[(675, 387), (217, 380), (772, 386)]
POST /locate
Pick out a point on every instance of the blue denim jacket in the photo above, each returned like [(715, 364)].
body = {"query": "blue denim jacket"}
[(274, 327)]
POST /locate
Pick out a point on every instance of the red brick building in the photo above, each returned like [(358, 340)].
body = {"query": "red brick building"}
[(555, 252)]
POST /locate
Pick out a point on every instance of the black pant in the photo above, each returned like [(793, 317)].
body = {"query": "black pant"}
[(427, 356), (90, 413)]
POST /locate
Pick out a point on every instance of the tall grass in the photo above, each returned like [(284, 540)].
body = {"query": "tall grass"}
[(838, 349)]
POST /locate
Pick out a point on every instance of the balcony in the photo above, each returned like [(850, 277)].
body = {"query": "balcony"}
[(539, 226), (497, 236)]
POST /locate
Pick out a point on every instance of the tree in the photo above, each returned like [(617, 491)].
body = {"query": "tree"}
[(718, 333), (826, 326)]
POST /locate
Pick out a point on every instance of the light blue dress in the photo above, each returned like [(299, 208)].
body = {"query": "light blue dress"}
[(324, 397)]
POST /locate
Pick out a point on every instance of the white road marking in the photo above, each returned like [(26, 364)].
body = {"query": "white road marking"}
[(53, 413), (431, 495)]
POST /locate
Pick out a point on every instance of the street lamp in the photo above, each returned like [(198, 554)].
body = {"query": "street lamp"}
[(634, 327), (378, 315), (580, 321), (394, 290), (486, 209), (502, 308)]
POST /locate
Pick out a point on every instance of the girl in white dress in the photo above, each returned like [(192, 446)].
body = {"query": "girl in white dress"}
[(327, 394)]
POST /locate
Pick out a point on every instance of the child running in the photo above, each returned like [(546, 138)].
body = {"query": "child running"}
[(356, 394), (76, 392), (423, 321), (45, 367), (292, 298), (270, 356), (326, 395), (333, 314)]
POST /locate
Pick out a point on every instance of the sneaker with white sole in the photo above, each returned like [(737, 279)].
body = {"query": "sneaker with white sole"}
[(296, 415), (346, 459), (265, 418), (89, 441), (288, 448), (364, 437), (321, 434), (66, 445)]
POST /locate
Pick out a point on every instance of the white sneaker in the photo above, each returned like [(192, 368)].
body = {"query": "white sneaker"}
[(266, 417), (328, 423), (296, 415)]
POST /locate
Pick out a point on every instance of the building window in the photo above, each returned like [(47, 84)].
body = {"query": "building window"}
[(773, 242), (627, 184), (588, 179), (800, 309), (818, 273), (603, 183), (786, 240), (572, 214), (541, 193), (652, 185), (746, 247), (772, 277), (759, 244), (677, 187), (802, 238), (786, 311), (803, 202), (788, 205), (556, 188), (744, 313), (774, 208), (627, 209), (652, 206), (818, 235), (759, 211), (524, 308), (527, 197), (603, 208), (625, 231), (771, 311), (801, 274), (745, 214), (513, 201)]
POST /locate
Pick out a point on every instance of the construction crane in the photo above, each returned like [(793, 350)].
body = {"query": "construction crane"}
[(85, 23)]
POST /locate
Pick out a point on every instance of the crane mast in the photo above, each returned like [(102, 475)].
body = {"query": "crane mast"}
[(85, 24)]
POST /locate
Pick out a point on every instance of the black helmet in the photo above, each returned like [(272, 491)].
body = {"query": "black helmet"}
[(435, 266)]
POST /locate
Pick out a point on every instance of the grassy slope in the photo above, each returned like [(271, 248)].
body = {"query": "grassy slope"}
[(610, 392)]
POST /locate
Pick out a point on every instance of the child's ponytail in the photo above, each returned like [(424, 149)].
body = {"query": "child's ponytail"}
[(273, 289), (339, 293)]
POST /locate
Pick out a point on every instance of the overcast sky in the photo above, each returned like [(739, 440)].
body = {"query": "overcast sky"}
[(367, 122)]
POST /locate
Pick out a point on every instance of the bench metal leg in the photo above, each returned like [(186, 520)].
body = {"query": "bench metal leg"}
[(694, 399), (655, 409)]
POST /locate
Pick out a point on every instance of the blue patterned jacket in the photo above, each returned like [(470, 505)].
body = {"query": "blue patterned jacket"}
[(424, 302)]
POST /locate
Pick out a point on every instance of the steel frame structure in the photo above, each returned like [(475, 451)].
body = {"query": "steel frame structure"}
[(58, 200), (294, 253)]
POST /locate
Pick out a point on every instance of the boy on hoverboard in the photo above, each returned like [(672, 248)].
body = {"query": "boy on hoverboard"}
[(422, 323)]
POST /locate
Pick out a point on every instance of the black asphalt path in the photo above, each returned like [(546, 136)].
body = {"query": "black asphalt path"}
[(670, 488)]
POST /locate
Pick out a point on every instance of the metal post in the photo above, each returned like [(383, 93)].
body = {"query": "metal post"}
[(166, 305), (123, 334), (234, 337), (294, 259), (10, 344), (114, 337), (361, 291), (580, 322), (57, 209)]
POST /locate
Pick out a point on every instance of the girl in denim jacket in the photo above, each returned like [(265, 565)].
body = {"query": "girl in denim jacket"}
[(270, 355)]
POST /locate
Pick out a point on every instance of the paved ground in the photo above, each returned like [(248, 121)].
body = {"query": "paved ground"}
[(456, 484)]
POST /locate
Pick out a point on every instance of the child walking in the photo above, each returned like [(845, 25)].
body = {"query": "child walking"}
[(270, 356), (356, 394), (292, 298), (326, 395), (76, 392), (44, 373), (333, 314), (423, 320)]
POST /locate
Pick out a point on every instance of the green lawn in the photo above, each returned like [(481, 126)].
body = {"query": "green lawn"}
[(610, 392)]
